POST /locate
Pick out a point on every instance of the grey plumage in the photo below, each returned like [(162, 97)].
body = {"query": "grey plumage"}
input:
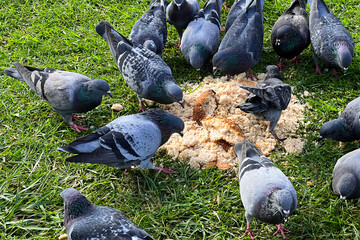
[(266, 193), (201, 38), (242, 44), (150, 30), (84, 220), (269, 98), (290, 34), (181, 12), (346, 127), (346, 176), (66, 92), (143, 70), (330, 41), (127, 141)]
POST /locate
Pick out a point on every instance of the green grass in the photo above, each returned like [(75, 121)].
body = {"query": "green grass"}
[(191, 204)]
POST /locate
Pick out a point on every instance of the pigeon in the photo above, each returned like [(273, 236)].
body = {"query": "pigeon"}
[(236, 9), (66, 92), (127, 141), (290, 34), (330, 41), (346, 176), (242, 44), (266, 193), (268, 99), (201, 38), (143, 70), (84, 220), (150, 30), (180, 13), (346, 128)]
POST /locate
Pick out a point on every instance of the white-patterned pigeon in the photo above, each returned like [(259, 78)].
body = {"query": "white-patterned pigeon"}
[(346, 176), (268, 99), (201, 38), (143, 70), (330, 41), (180, 13), (84, 220), (290, 34), (66, 92), (127, 141), (346, 127), (266, 193), (242, 44), (150, 30)]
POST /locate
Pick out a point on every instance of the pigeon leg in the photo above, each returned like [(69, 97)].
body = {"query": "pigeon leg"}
[(251, 75), (281, 65), (334, 73), (249, 231), (226, 7), (165, 170), (318, 70), (276, 137), (178, 46), (281, 230), (141, 104), (78, 128), (295, 60), (228, 77), (76, 118)]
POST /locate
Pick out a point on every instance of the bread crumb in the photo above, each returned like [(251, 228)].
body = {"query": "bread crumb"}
[(117, 107), (213, 125)]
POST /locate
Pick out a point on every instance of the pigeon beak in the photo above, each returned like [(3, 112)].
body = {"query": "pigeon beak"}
[(342, 198), (178, 6), (319, 138), (181, 133), (181, 103), (215, 69), (109, 93), (286, 214), (345, 70)]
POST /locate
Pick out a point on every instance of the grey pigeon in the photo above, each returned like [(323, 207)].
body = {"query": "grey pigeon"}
[(236, 9), (269, 98), (66, 92), (180, 13), (290, 34), (127, 141), (330, 41), (242, 44), (143, 70), (150, 30), (266, 193), (84, 220), (201, 38), (346, 176), (346, 127)]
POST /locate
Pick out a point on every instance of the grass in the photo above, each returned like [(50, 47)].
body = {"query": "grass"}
[(191, 204)]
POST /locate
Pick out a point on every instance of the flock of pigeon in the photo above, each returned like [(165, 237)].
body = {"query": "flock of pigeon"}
[(265, 191)]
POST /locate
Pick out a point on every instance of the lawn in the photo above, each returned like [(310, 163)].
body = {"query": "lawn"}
[(191, 204)]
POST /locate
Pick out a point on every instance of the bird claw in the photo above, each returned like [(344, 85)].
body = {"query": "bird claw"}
[(281, 230), (165, 170), (295, 60), (76, 118), (250, 232), (78, 128), (318, 70), (281, 65)]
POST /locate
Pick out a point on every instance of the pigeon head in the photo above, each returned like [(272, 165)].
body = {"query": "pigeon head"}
[(99, 87), (75, 204), (333, 129), (282, 201), (150, 44), (168, 93), (344, 57), (287, 39), (273, 71), (347, 186), (198, 56), (230, 61)]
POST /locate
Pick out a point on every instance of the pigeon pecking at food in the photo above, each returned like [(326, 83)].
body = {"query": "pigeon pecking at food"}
[(84, 220), (330, 41), (143, 70), (266, 193), (66, 92), (268, 99), (346, 176), (201, 38), (241, 47), (127, 141), (346, 127), (290, 34), (150, 30)]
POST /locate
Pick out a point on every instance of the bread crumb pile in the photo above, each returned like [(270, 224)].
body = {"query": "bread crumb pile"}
[(213, 125)]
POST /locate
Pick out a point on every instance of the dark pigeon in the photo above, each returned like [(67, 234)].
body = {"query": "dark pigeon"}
[(268, 99), (346, 176), (330, 41), (201, 38), (180, 13), (346, 127), (242, 44), (266, 193), (143, 70), (290, 34), (127, 141), (84, 220), (150, 30), (66, 92)]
